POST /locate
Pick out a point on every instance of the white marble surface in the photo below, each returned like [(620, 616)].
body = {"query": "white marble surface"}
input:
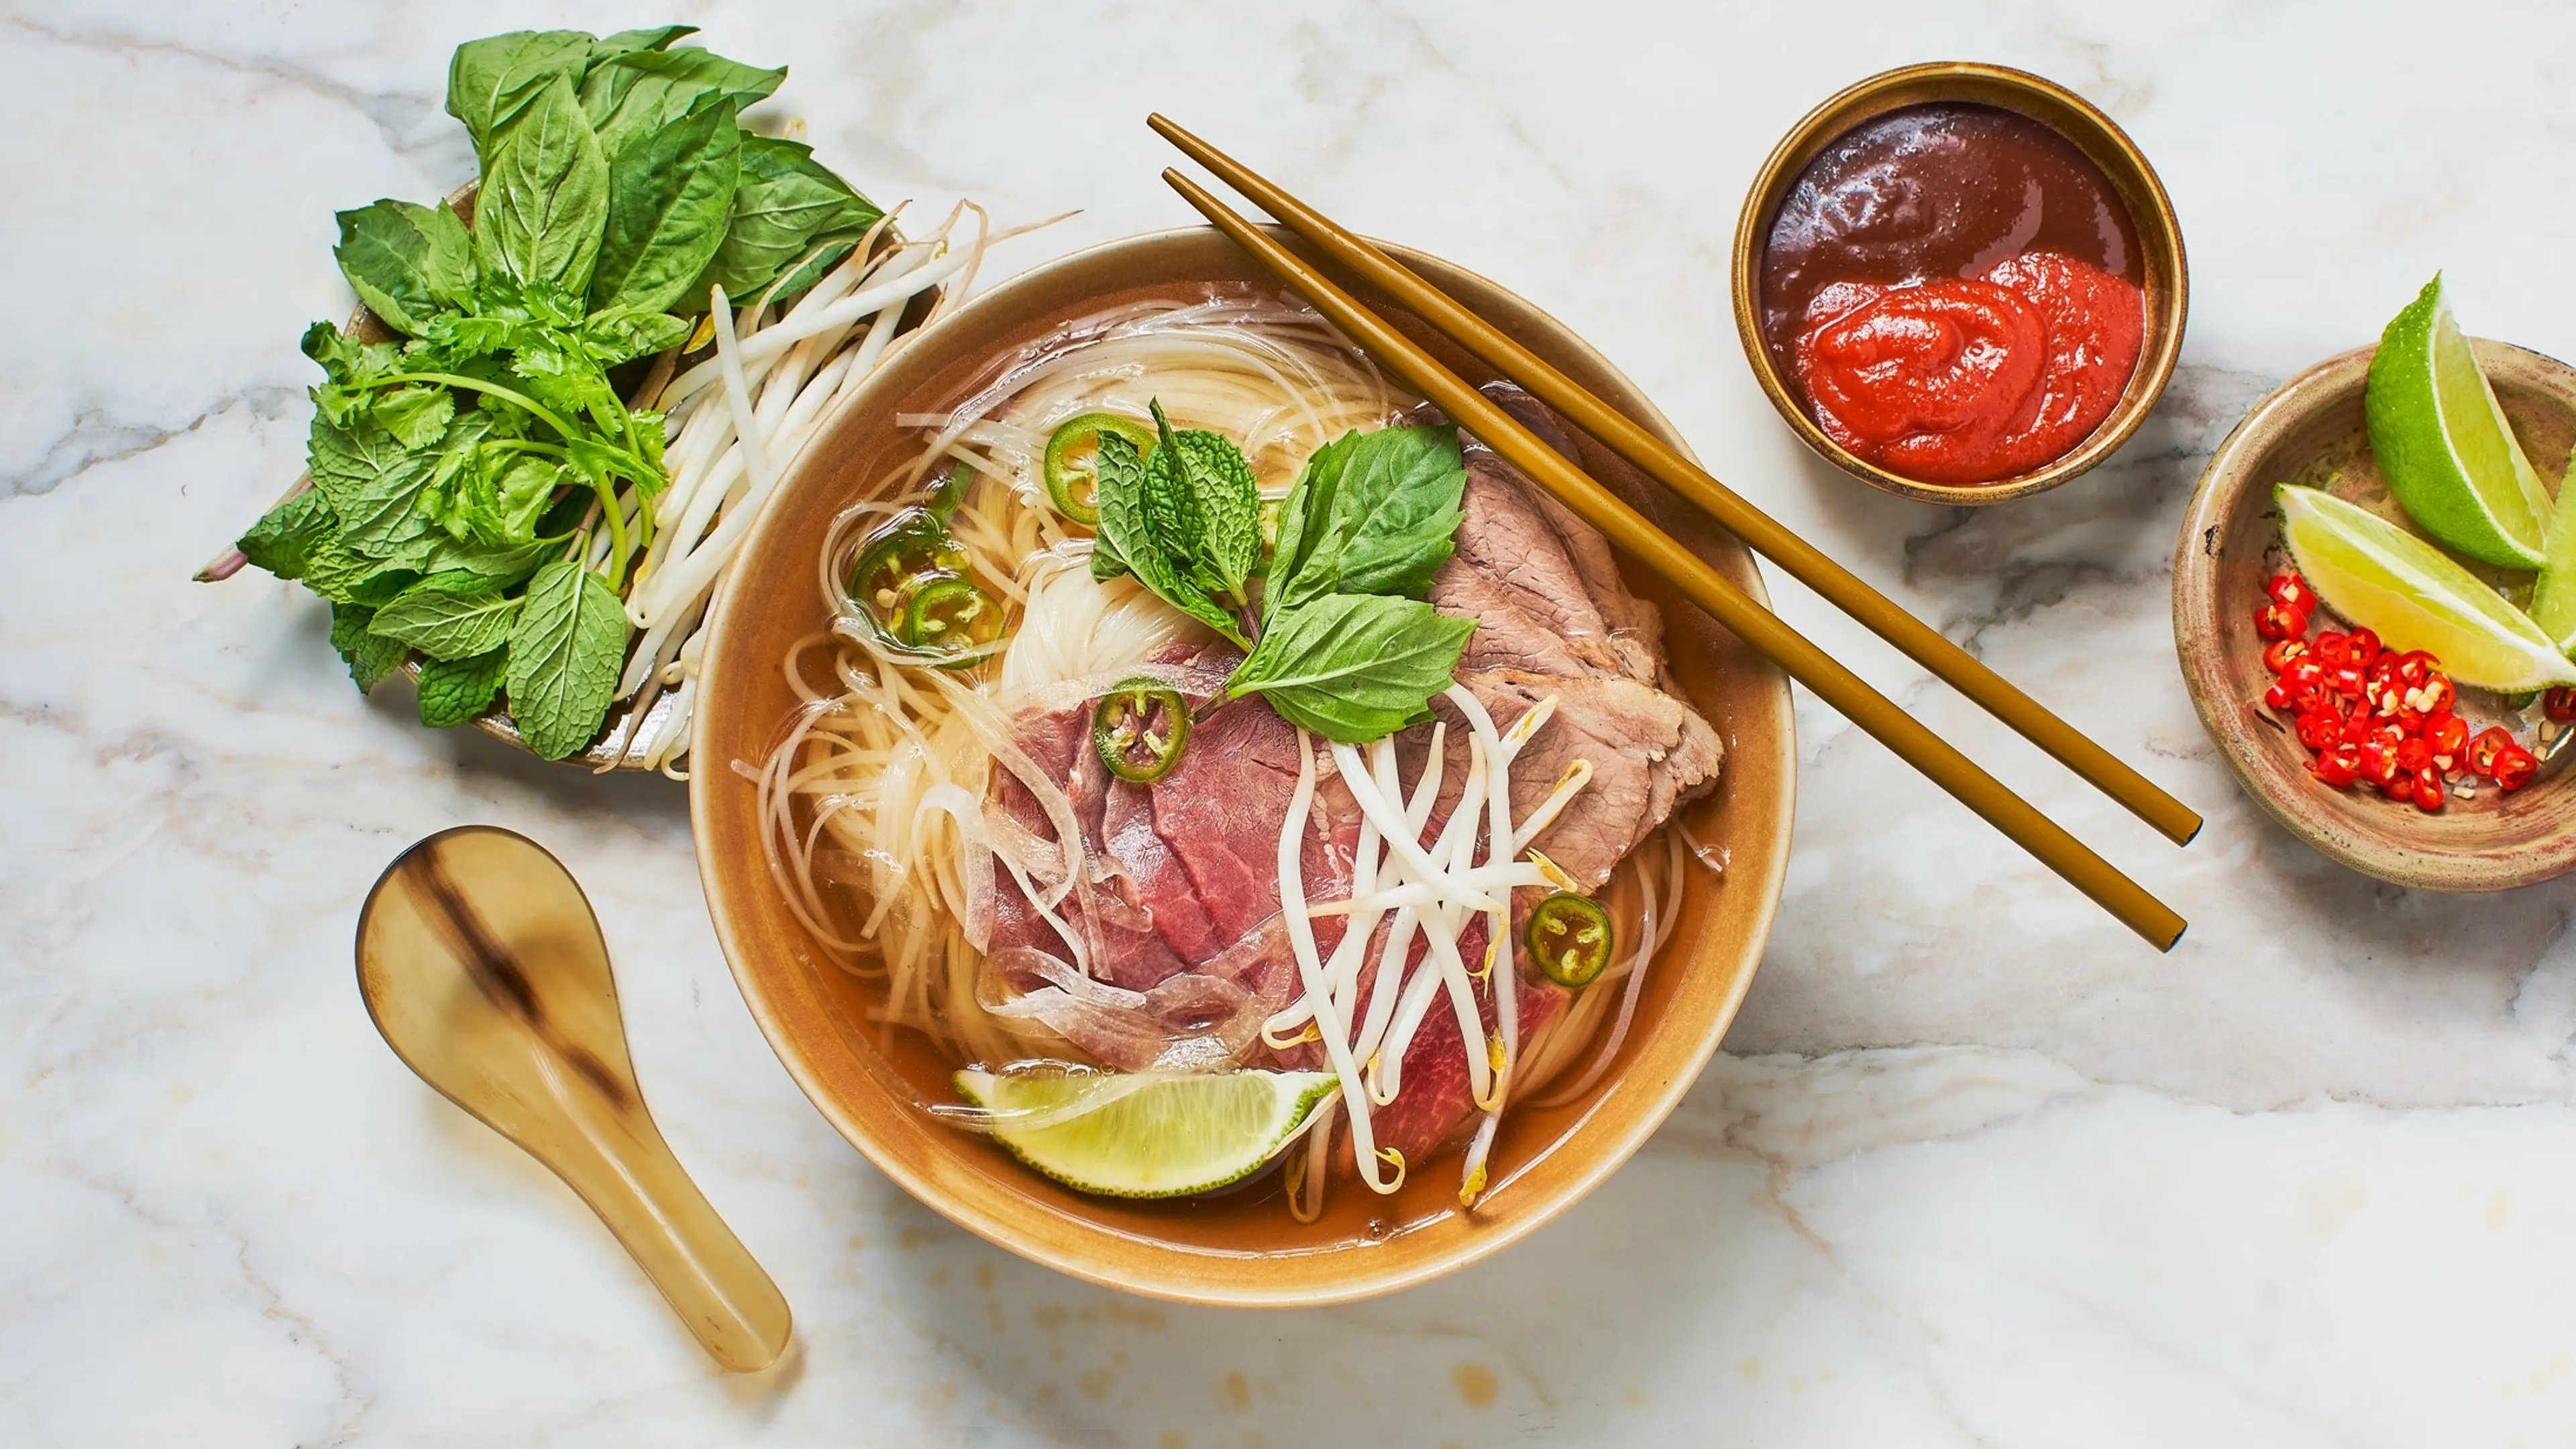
[(1978, 1169)]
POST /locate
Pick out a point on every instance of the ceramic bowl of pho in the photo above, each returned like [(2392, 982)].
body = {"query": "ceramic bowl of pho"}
[(1198, 821)]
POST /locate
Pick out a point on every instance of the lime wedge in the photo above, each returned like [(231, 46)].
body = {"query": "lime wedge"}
[(2413, 596), (1147, 1135), (2443, 442), (2553, 604)]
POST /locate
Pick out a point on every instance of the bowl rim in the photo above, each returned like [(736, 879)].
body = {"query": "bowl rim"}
[(2167, 267), (2196, 608), (1654, 1099)]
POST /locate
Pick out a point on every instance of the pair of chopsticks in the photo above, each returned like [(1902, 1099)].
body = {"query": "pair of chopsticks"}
[(1697, 580)]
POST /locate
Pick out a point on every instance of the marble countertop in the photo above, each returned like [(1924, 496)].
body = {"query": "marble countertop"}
[(1976, 1168)]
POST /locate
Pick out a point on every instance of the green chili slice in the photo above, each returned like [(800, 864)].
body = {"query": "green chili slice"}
[(950, 616), (944, 503), (1570, 938), (906, 556), (1140, 729), (1070, 478)]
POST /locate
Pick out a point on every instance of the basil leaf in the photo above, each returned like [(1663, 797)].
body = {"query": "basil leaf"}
[(369, 657), (628, 97), (658, 37), (449, 616), (373, 482), (1373, 513), (288, 534), (545, 196), (565, 652), (1139, 517), (490, 81), (670, 198), (405, 261), (453, 691), (786, 205), (1354, 667)]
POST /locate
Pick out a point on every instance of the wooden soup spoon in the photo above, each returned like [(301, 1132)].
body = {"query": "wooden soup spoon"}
[(485, 969)]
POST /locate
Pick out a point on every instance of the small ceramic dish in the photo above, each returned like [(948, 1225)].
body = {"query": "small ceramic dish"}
[(1242, 1248), (2061, 110), (2311, 432)]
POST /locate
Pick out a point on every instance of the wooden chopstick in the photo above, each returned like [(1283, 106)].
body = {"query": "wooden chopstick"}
[(1760, 532), (1702, 584)]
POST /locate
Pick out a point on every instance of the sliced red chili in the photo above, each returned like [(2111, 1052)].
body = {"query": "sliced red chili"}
[(2560, 705), (2321, 729), (2279, 621), (2514, 767), (2339, 766), (2280, 654), (2292, 592), (2490, 742), (2428, 791), (1570, 939), (2330, 649), (2361, 647), (1140, 729)]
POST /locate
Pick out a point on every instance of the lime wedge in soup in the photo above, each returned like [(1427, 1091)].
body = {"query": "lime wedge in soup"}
[(1147, 1134), (2553, 604), (2444, 444), (2414, 596)]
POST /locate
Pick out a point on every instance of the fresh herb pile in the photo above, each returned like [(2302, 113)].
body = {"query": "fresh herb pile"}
[(480, 488), (1340, 639)]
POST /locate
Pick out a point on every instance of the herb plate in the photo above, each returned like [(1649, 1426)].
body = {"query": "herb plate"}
[(2311, 432)]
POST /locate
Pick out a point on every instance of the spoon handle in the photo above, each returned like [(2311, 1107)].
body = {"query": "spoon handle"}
[(614, 1156)]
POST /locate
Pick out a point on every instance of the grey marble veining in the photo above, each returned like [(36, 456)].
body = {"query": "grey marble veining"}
[(1976, 1169)]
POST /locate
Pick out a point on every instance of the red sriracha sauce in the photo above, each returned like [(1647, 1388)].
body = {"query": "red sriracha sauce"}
[(1955, 289)]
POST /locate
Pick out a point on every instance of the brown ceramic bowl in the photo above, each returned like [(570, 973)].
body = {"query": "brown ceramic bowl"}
[(2310, 432), (1242, 1249), (2168, 284)]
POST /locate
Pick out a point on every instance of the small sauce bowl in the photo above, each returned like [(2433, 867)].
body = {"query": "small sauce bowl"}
[(2167, 279)]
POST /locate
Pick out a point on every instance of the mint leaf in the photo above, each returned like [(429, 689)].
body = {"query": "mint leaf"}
[(286, 536), (1373, 513), (1143, 509), (406, 261), (453, 691), (490, 81), (451, 615), (544, 197), (565, 652), (344, 576), (373, 483), (500, 567), (369, 657), (1354, 667), (670, 198), (1218, 517)]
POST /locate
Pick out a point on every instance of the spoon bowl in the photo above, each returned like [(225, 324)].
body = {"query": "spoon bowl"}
[(484, 968)]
